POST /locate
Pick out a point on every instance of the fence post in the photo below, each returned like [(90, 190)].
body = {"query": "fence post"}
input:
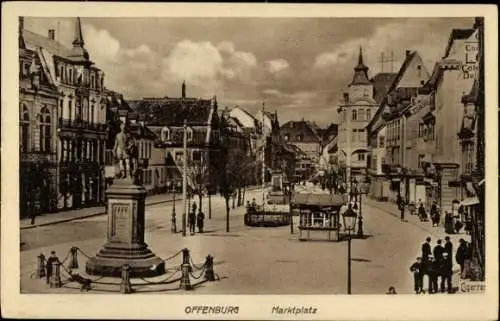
[(209, 268), (73, 263), (185, 269), (40, 266), (125, 286), (55, 277)]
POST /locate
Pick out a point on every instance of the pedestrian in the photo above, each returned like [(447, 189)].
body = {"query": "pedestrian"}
[(401, 205), (192, 222), (448, 248), (194, 207), (435, 214), (426, 249), (446, 273), (460, 255), (416, 269), (199, 220), (48, 265), (438, 251), (421, 213), (448, 223), (432, 272)]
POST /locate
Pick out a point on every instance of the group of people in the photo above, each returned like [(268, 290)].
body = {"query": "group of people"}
[(195, 220), (451, 224), (437, 263)]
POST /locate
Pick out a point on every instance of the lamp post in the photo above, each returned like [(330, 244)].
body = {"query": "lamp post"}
[(349, 218), (360, 216), (174, 221)]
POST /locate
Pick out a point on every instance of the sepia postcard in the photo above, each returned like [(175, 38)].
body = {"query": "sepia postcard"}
[(249, 161)]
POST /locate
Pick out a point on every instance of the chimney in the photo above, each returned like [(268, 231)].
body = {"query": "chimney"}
[(52, 34), (407, 53)]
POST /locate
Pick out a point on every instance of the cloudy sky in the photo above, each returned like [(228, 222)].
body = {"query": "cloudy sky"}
[(297, 66)]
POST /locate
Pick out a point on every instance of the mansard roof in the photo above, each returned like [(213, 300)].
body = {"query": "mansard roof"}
[(173, 111)]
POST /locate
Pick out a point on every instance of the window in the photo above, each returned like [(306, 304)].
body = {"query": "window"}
[(70, 108), (92, 107), (354, 135), (70, 76), (381, 141), (361, 135), (354, 114), (299, 137), (419, 70), (61, 73), (189, 134), (368, 114), (92, 80), (344, 115), (468, 157), (25, 128), (178, 157), (45, 135), (361, 114), (421, 161), (361, 157)]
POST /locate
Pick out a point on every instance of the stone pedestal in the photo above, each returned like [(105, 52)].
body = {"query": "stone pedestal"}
[(125, 245)]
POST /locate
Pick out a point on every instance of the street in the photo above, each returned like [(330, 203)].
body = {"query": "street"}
[(253, 260)]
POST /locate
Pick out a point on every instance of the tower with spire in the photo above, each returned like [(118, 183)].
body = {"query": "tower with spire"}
[(360, 71), (78, 52)]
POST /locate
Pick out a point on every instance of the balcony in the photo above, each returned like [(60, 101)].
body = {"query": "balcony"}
[(79, 124)]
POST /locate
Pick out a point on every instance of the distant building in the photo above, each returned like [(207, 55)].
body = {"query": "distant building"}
[(165, 117), (81, 116)]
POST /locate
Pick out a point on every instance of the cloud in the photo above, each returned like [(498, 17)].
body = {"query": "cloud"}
[(100, 43), (277, 65)]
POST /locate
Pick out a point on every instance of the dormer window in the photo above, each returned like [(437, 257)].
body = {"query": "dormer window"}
[(189, 134), (165, 134)]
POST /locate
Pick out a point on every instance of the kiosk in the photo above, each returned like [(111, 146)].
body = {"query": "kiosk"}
[(318, 213)]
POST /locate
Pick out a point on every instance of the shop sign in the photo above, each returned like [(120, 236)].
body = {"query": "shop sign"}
[(468, 286)]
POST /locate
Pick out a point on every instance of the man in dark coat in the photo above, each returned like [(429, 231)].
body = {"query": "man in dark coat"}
[(48, 267), (401, 206), (416, 269), (434, 214), (461, 254), (421, 212), (448, 248), (192, 222), (438, 251), (199, 220), (446, 272), (432, 272), (426, 249)]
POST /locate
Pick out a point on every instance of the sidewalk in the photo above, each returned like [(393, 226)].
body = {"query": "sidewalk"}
[(71, 215)]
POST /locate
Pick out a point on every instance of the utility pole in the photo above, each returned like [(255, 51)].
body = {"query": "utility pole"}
[(184, 180), (383, 60), (263, 160)]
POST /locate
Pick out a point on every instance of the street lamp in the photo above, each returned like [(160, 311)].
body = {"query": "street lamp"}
[(349, 218), (174, 222)]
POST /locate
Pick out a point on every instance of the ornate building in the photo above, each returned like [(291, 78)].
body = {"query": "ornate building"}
[(81, 116), (355, 111), (38, 100)]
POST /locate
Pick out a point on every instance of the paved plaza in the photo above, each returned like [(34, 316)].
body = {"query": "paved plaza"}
[(251, 260)]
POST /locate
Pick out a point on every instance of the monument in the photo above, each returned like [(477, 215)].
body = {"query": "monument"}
[(126, 209)]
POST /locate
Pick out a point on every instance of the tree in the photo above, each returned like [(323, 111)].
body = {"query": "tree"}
[(199, 176), (228, 176)]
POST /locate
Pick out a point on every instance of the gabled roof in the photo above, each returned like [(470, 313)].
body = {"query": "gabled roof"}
[(381, 84), (457, 34), (397, 78), (34, 40), (173, 111), (304, 128)]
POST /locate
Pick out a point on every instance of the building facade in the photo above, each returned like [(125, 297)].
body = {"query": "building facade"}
[(81, 116), (38, 101)]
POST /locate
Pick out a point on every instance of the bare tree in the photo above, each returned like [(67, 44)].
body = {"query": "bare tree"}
[(228, 177), (199, 176)]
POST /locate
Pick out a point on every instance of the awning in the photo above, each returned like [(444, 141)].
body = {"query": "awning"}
[(323, 200), (470, 201)]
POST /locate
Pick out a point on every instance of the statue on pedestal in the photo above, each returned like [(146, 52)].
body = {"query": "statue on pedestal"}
[(125, 151)]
